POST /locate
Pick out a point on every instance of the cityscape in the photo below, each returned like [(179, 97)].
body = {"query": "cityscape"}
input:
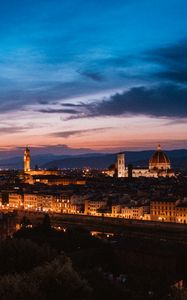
[(79, 191), (93, 150)]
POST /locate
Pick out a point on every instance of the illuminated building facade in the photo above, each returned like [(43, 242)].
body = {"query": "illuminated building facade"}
[(27, 166), (116, 210), (181, 213), (140, 212), (159, 166), (132, 212), (169, 211), (163, 210), (51, 179), (120, 165), (27, 160), (92, 207), (15, 200), (159, 161), (48, 177)]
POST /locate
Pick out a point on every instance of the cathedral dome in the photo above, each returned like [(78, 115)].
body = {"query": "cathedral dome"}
[(159, 160)]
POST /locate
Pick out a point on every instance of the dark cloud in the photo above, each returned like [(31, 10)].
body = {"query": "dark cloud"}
[(73, 105), (66, 134), (172, 60), (12, 100), (161, 101), (54, 111), (121, 59), (13, 129), (179, 75), (96, 76), (43, 102)]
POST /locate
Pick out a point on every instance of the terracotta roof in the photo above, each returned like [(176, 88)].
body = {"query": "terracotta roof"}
[(159, 157)]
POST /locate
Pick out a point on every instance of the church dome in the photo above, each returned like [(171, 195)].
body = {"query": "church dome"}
[(159, 160)]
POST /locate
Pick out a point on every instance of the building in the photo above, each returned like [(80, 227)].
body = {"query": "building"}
[(116, 210), (37, 172), (163, 210), (134, 212), (181, 213), (118, 169), (15, 200), (31, 201), (140, 212), (92, 207), (27, 160), (48, 177), (159, 166), (51, 178), (12, 200), (159, 161), (120, 165)]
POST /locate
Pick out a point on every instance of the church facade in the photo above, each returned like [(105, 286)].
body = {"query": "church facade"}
[(159, 166)]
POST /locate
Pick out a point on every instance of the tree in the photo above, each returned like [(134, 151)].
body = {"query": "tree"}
[(55, 280), (46, 224), (18, 255), (25, 222)]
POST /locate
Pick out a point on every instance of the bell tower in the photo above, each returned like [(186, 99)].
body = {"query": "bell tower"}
[(27, 159), (121, 165)]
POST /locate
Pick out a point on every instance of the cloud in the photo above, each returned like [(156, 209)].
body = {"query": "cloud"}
[(13, 129), (73, 105), (59, 111), (66, 134), (95, 76), (173, 61), (43, 102), (159, 101), (176, 121)]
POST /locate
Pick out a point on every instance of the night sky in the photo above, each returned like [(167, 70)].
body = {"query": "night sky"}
[(101, 74)]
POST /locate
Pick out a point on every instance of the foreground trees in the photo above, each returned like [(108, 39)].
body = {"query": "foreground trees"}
[(33, 266), (54, 280), (19, 255), (29, 271)]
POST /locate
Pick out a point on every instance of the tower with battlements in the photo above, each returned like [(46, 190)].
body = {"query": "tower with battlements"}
[(27, 160)]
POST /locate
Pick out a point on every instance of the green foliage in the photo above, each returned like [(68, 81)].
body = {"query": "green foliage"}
[(25, 222), (75, 237), (55, 280), (46, 224), (18, 255), (179, 294)]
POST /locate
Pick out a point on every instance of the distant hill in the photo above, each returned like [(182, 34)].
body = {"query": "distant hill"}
[(96, 160), (41, 160), (17, 161), (137, 158)]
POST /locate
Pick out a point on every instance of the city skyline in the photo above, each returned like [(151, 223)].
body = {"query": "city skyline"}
[(93, 75)]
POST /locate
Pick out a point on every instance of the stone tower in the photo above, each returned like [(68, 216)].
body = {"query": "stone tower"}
[(121, 165), (27, 159)]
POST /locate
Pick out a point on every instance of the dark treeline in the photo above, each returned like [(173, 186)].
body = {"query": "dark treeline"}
[(43, 263)]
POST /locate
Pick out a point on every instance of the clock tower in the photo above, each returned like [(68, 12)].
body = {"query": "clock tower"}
[(27, 159)]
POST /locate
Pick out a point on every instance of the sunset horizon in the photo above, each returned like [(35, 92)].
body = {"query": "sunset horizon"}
[(104, 77)]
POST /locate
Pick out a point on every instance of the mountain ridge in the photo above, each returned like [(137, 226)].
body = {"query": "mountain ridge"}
[(94, 160), (137, 158)]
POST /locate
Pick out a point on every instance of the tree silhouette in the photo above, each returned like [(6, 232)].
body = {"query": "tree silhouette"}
[(25, 222), (56, 280), (46, 224)]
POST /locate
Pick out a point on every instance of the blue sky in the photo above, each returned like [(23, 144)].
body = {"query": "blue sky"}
[(83, 73)]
